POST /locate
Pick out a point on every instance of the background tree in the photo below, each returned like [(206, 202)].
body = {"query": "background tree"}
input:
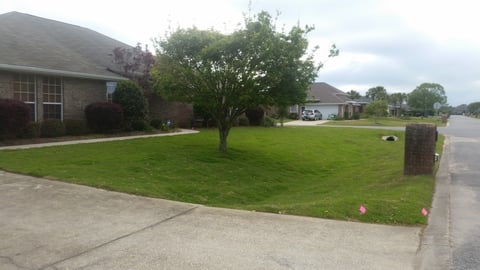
[(352, 94), (474, 108), (425, 95), (135, 64), (377, 108), (397, 99), (377, 93), (227, 74)]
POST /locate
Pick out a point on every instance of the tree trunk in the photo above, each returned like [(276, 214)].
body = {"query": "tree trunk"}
[(223, 131)]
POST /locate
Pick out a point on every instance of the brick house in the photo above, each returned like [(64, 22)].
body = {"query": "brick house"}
[(328, 100), (58, 69)]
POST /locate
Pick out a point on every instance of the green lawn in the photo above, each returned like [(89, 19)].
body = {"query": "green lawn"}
[(311, 171), (387, 121)]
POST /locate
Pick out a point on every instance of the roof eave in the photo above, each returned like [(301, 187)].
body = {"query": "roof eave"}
[(64, 73)]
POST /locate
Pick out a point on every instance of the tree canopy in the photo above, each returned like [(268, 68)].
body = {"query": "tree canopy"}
[(228, 74), (352, 94), (377, 108), (134, 63), (425, 95), (377, 93), (474, 108)]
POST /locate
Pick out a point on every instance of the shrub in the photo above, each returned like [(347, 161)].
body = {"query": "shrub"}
[(130, 96), (104, 117), (169, 125), (156, 123), (139, 125), (32, 130), (52, 128), (14, 117), (243, 121), (356, 116), (268, 122), (75, 127), (293, 116), (255, 116)]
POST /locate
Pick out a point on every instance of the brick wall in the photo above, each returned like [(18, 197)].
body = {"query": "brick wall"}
[(78, 93), (179, 113)]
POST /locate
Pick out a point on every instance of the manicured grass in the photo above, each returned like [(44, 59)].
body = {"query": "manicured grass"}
[(311, 171), (388, 121)]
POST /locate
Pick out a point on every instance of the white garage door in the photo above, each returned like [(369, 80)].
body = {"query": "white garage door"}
[(325, 110)]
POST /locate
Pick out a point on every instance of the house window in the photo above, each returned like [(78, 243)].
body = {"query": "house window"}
[(52, 98), (293, 109), (24, 90), (110, 89)]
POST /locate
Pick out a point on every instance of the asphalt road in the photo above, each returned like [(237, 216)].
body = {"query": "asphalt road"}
[(464, 168)]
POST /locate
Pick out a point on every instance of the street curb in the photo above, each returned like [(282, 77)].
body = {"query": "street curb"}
[(435, 250)]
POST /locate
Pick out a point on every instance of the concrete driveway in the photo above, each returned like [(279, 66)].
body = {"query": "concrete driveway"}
[(305, 123), (53, 225)]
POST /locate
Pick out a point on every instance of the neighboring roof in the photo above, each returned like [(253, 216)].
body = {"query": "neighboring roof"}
[(38, 45), (363, 100), (321, 92)]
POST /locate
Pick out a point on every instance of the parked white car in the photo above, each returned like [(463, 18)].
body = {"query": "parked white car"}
[(311, 115)]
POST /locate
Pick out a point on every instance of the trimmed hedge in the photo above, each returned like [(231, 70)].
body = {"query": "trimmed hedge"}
[(32, 130), (156, 123), (75, 127), (104, 117), (14, 117), (52, 128)]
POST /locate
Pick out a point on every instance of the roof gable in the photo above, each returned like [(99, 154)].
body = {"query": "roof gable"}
[(42, 44), (324, 93)]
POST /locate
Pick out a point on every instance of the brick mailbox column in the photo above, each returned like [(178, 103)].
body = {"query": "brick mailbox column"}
[(420, 140)]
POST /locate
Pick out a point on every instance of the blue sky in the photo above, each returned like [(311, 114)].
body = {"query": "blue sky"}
[(395, 44)]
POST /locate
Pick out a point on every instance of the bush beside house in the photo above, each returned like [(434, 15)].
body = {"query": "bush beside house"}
[(104, 117), (14, 117), (130, 97)]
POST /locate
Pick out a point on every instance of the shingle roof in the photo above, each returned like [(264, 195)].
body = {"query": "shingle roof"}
[(33, 44), (324, 93)]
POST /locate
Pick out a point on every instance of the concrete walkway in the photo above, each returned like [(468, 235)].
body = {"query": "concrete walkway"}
[(53, 225), (26, 146)]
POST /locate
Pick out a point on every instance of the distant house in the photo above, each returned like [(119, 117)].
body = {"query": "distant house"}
[(328, 100), (58, 69)]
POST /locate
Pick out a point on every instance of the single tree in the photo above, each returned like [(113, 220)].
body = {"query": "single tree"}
[(228, 74), (425, 95), (134, 63), (353, 95), (376, 109), (377, 93)]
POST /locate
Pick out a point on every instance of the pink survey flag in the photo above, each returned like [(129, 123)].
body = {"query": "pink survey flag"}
[(424, 212), (362, 209)]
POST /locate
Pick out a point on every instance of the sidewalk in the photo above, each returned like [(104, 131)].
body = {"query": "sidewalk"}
[(54, 225), (181, 132)]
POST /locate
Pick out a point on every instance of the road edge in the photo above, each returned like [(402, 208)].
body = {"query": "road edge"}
[(435, 250)]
